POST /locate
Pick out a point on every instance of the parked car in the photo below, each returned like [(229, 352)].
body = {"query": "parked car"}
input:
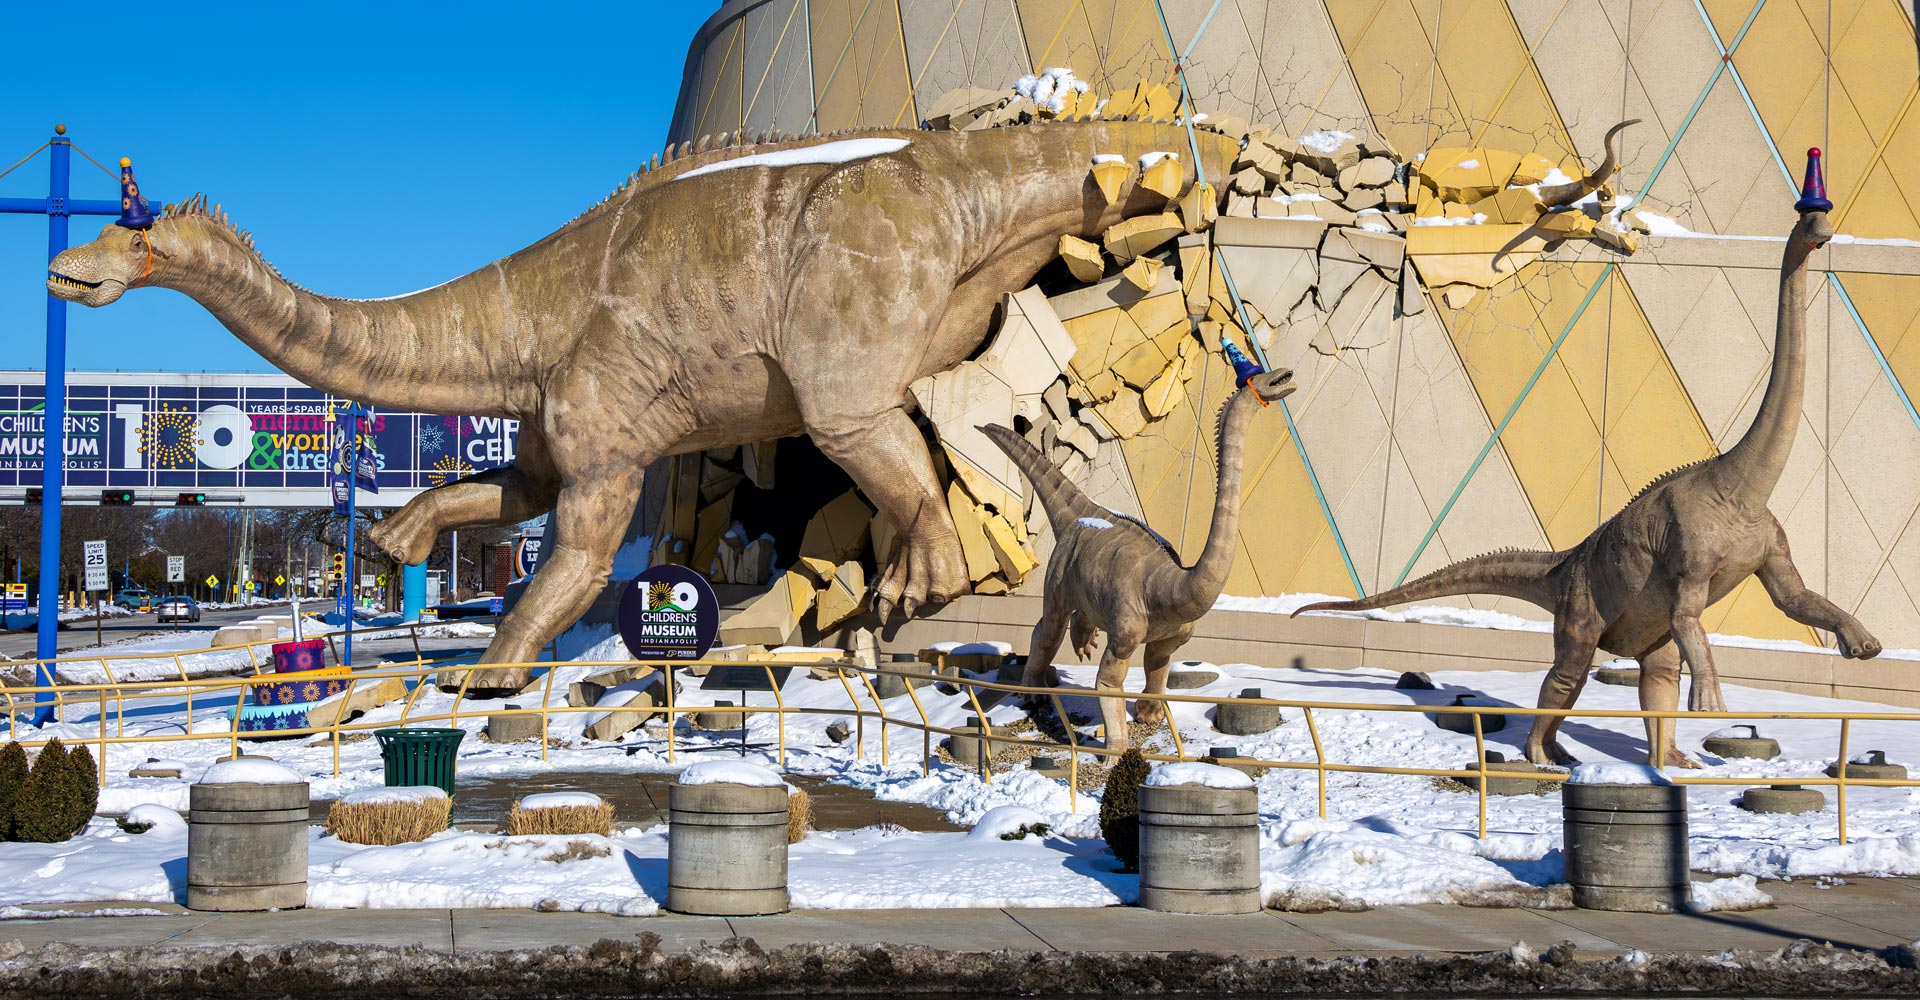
[(131, 598), (178, 608)]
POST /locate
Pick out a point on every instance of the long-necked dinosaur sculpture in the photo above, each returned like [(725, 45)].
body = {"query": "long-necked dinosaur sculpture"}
[(1638, 585), (1114, 574), (731, 295)]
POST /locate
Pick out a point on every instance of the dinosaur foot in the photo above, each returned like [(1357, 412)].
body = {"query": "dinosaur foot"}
[(1674, 758), (1149, 711), (1858, 644), (920, 574), (1550, 754), (408, 539)]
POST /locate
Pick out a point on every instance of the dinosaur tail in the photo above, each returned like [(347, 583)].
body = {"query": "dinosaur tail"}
[(1513, 573), (1557, 195), (1063, 500)]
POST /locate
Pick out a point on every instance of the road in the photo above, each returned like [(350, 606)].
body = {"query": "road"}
[(78, 636)]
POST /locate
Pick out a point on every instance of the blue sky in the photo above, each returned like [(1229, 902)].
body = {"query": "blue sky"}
[(372, 150)]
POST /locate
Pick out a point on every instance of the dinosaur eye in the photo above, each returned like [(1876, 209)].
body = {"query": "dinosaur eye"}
[(139, 242)]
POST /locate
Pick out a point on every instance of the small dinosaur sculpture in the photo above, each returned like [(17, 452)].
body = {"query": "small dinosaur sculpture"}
[(1109, 572), (736, 293), (1638, 584)]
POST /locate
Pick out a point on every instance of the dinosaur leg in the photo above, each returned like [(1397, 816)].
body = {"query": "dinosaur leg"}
[(1576, 633), (1689, 602), (1113, 677), (590, 519), (1158, 657), (1042, 648), (1084, 634), (522, 490), (1790, 595), (887, 456), (1660, 692)]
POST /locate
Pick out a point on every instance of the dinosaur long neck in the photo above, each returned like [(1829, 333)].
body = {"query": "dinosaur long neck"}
[(428, 350), (1750, 469), (1195, 589)]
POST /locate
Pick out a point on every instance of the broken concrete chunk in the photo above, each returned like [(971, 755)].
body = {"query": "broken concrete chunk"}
[(1249, 181), (1132, 237), (1362, 199), (1384, 250), (1565, 224), (1123, 413), (1373, 171), (629, 706), (1079, 437), (1165, 176), (773, 617), (1142, 273), (1165, 391), (817, 570), (1199, 207), (1140, 364), (844, 596), (1412, 302), (839, 531), (756, 562), (885, 537), (1111, 176), (1083, 258), (1240, 206), (1625, 242), (967, 519), (756, 461), (1514, 205), (1009, 545), (1302, 234)]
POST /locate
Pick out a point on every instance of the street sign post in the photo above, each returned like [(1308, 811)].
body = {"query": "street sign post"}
[(95, 553)]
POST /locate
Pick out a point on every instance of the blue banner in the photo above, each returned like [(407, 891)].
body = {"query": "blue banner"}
[(264, 436)]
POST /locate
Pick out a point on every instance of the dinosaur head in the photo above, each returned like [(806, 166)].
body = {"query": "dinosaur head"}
[(1272, 386), (96, 273), (1813, 205)]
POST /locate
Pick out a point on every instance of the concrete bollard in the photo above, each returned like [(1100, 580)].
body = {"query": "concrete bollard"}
[(513, 728), (1461, 722), (718, 719), (1741, 741), (1873, 764), (892, 686), (727, 841), (972, 750), (1782, 799), (247, 840), (1190, 675), (1246, 720), (1199, 841), (1626, 844)]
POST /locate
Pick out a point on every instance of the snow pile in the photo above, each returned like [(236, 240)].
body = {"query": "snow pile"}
[(1147, 160), (246, 771), (1001, 822), (1329, 864), (1049, 89), (1868, 855), (841, 151), (1325, 140), (1614, 772), (560, 800), (1108, 158), (1194, 773), (973, 648), (393, 796), (461, 870), (157, 819), (1737, 893), (880, 867), (26, 913), (731, 772)]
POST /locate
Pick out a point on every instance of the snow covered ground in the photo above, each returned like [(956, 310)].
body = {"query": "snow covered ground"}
[(1386, 839)]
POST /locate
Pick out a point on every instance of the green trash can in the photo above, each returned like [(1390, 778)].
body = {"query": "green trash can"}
[(419, 756)]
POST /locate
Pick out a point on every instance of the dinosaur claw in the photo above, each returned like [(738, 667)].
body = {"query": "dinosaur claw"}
[(907, 606), (883, 608)]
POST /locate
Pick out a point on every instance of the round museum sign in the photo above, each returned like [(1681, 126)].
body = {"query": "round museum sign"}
[(668, 613)]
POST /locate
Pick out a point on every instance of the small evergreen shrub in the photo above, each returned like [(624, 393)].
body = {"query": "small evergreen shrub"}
[(1028, 830), (1120, 808), (13, 777), (57, 797)]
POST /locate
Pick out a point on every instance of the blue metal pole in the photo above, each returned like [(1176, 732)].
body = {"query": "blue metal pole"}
[(53, 444), (413, 591), (353, 490)]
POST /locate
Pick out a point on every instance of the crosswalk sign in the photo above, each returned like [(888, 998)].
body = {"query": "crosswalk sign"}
[(279, 579), (213, 581)]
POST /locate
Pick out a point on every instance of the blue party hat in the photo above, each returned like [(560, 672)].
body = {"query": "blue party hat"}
[(1813, 194), (133, 207), (1243, 366)]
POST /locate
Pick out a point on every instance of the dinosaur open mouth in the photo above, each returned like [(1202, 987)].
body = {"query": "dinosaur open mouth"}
[(60, 279)]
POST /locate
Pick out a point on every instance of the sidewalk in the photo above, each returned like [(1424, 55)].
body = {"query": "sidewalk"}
[(1863, 914)]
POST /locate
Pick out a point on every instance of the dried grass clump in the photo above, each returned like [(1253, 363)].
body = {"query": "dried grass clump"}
[(799, 816), (596, 819), (383, 824)]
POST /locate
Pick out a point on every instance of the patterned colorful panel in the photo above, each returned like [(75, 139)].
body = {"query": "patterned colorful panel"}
[(271, 718), (289, 689), (307, 654)]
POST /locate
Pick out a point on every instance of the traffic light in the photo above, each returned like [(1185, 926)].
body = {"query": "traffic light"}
[(191, 500), (339, 566), (116, 498), (33, 495)]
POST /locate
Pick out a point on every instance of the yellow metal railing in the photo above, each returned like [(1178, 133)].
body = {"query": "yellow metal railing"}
[(858, 680)]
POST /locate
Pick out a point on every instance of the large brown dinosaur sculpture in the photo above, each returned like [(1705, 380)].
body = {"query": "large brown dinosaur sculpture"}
[(1637, 586), (733, 295), (1111, 573)]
